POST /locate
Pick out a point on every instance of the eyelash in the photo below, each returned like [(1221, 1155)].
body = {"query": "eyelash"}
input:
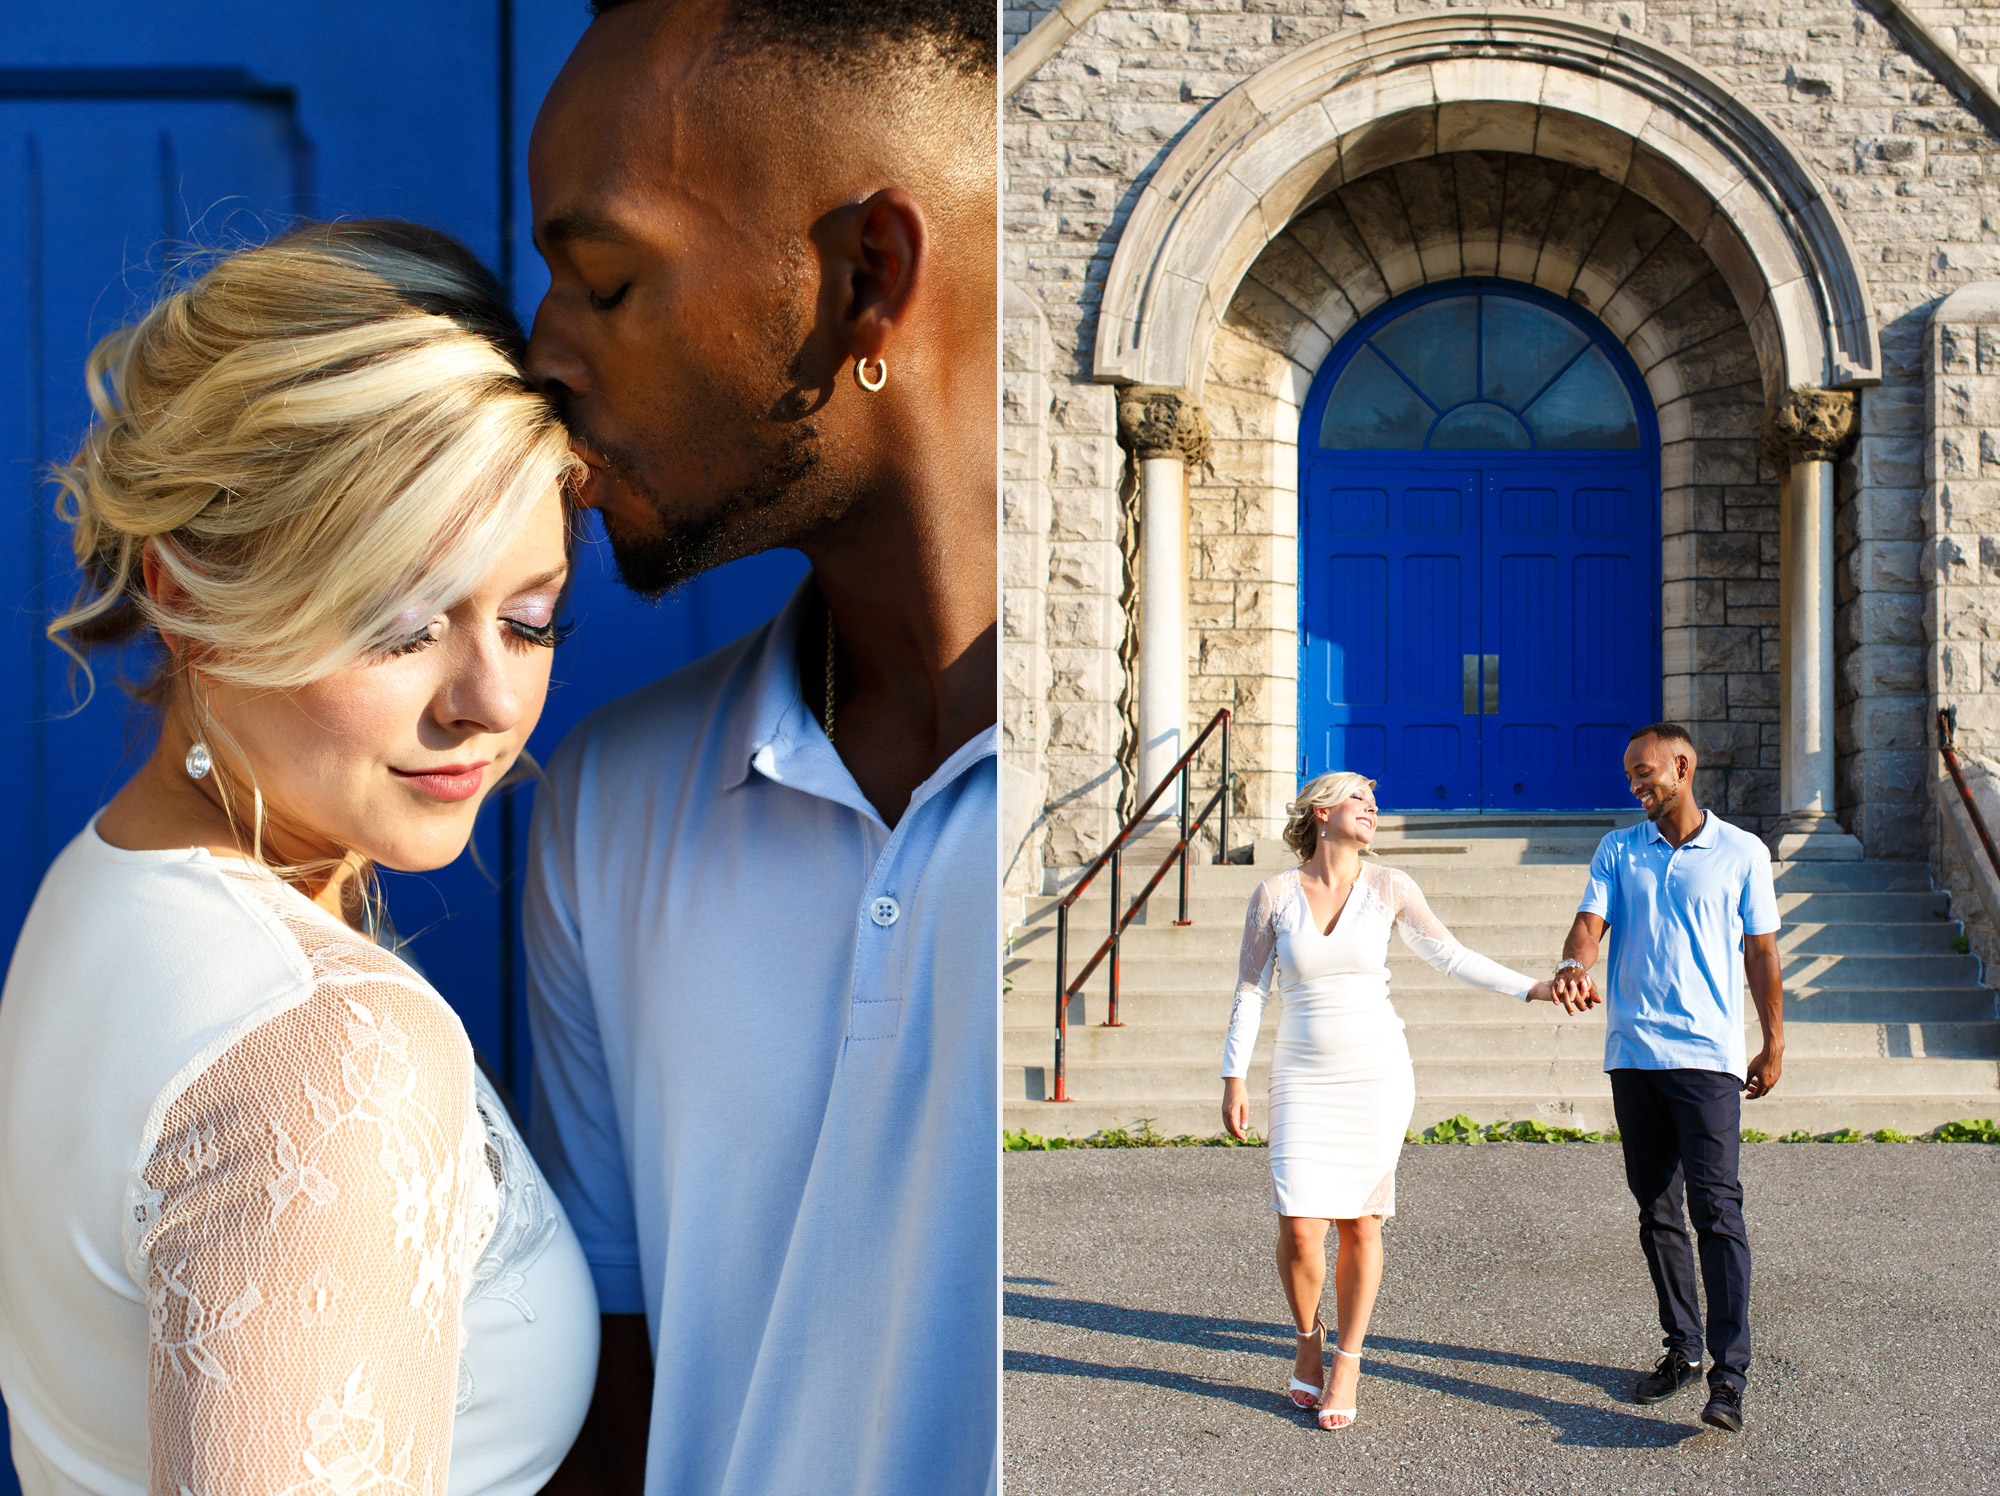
[(606, 303), (546, 635), (542, 635)]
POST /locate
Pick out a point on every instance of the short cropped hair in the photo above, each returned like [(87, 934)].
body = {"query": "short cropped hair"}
[(849, 37), (1666, 732)]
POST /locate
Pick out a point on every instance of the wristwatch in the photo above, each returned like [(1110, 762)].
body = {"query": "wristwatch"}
[(1566, 963)]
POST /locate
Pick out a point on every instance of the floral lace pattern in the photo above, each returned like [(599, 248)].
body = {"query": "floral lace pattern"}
[(307, 1222), (527, 1222)]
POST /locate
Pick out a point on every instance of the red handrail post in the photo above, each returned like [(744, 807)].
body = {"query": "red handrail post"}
[(1111, 1018), (1067, 991), (1949, 749), (1062, 1003)]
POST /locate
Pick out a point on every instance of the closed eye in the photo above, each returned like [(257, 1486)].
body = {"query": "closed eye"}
[(606, 303), (548, 635)]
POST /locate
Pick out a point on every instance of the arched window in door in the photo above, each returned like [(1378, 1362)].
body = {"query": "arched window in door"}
[(1479, 372)]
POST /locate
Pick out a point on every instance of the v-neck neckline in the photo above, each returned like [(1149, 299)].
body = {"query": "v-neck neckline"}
[(1339, 915)]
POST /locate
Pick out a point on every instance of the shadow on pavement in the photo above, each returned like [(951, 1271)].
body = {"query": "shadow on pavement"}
[(1252, 1337), (1258, 1400), (1588, 1424), (1591, 1425)]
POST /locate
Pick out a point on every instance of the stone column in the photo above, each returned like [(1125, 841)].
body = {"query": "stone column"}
[(1804, 434), (1164, 431)]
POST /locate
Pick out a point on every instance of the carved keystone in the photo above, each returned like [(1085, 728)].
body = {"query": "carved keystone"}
[(1155, 421), (1809, 425)]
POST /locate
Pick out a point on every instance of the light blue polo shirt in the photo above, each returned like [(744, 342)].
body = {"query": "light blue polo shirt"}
[(1678, 915), (766, 1036)]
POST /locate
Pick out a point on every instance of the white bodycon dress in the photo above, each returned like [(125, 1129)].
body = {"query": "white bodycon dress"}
[(1341, 1085)]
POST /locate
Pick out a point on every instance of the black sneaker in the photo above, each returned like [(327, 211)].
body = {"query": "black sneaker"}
[(1665, 1379), (1725, 1408)]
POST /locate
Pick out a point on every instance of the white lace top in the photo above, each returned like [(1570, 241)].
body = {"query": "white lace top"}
[(1382, 897), (263, 1226)]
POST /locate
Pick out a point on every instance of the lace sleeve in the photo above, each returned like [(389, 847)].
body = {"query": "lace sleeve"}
[(1260, 940), (1424, 933), (305, 1223)]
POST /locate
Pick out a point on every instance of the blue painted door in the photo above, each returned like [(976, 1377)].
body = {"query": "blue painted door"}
[(129, 127), (1479, 545)]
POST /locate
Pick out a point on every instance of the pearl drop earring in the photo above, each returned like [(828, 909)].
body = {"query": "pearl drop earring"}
[(199, 760)]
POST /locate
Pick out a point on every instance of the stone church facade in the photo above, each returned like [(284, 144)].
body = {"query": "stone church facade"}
[(1779, 221)]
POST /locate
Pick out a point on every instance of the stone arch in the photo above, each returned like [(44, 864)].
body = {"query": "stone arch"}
[(1524, 82), (1574, 233)]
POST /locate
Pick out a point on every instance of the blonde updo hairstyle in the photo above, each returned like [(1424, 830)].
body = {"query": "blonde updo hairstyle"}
[(1302, 827), (319, 439)]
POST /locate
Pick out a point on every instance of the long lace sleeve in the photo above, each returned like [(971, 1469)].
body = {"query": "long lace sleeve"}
[(1260, 939), (1424, 933), (304, 1223)]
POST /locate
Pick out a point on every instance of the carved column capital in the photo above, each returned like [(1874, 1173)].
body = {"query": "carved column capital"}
[(1155, 421), (1809, 425)]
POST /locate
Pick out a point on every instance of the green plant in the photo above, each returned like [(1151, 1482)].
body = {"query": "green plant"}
[(1967, 1130), (1845, 1135), (1751, 1135), (1462, 1129), (1456, 1129), (1024, 1141), (1962, 945), (1797, 1135), (1889, 1135)]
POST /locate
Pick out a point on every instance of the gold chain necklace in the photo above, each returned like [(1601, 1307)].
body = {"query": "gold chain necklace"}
[(827, 711)]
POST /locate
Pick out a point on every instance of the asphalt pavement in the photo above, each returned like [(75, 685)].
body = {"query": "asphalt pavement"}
[(1147, 1342)]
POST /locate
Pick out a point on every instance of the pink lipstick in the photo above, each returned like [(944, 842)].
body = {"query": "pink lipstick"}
[(448, 782)]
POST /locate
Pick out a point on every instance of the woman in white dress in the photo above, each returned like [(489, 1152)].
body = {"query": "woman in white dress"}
[(263, 1226), (1342, 1089)]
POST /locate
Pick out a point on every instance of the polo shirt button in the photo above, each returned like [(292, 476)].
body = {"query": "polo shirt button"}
[(885, 911)]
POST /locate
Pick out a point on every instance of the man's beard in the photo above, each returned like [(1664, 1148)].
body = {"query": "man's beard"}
[(780, 507), (1665, 802)]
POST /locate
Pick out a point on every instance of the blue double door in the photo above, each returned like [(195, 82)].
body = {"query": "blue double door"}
[(1479, 634)]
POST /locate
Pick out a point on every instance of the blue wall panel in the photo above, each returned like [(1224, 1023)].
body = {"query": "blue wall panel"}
[(128, 129)]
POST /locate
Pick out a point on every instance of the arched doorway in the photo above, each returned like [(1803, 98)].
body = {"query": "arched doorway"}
[(1479, 489)]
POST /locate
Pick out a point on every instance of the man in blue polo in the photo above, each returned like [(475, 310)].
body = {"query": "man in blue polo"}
[(1681, 893)]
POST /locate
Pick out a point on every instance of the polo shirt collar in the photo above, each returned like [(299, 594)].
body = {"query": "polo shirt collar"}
[(1707, 836), (773, 731)]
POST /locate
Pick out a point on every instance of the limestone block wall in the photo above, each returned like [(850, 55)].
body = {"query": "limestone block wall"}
[(1915, 178), (1024, 600), (1960, 562)]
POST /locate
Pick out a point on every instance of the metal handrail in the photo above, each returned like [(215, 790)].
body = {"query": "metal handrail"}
[(1947, 725), (1114, 854)]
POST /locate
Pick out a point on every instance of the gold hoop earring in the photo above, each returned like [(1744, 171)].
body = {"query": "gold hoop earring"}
[(881, 374)]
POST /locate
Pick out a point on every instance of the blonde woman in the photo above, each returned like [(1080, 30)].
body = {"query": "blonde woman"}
[(263, 1227), (1342, 1090)]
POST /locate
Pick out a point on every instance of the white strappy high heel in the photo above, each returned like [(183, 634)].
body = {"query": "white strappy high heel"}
[(1310, 1392), (1350, 1414)]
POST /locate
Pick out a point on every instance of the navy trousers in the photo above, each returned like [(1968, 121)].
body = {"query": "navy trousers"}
[(1684, 1127)]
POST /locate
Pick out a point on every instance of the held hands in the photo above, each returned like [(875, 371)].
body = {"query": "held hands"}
[(1572, 988), (1764, 1071), (1235, 1108)]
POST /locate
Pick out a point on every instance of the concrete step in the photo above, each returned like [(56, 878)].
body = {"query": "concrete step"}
[(1092, 914), (1458, 876), (1216, 973), (1512, 942), (1577, 1038), (1031, 1006), (1776, 1114), (1192, 1080)]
